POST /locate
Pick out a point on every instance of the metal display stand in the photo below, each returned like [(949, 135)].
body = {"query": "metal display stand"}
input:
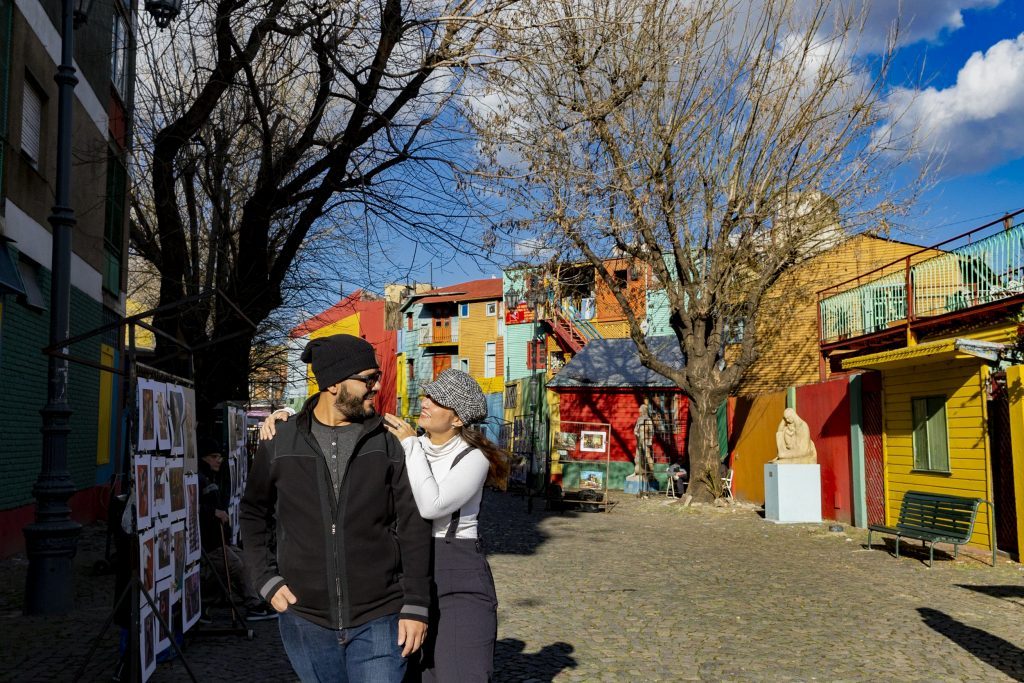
[(130, 370), (572, 443)]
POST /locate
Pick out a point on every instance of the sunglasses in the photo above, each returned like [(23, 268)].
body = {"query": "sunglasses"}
[(368, 380)]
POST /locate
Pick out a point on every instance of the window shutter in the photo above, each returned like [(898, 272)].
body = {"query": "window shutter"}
[(937, 447), (920, 437), (31, 122)]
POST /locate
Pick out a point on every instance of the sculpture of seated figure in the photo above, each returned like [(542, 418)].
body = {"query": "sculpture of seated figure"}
[(793, 440)]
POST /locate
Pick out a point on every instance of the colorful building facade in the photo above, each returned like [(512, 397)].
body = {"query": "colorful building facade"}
[(29, 50)]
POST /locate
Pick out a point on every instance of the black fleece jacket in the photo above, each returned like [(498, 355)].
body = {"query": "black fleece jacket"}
[(348, 558)]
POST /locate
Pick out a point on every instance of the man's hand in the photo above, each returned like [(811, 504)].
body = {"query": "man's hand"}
[(284, 597), (411, 633), (222, 516), (267, 430)]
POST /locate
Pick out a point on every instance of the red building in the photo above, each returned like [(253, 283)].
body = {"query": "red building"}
[(605, 383)]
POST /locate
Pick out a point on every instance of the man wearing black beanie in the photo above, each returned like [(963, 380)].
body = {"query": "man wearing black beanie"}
[(351, 574)]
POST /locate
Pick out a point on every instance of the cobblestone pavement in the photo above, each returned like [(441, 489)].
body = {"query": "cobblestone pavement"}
[(648, 592)]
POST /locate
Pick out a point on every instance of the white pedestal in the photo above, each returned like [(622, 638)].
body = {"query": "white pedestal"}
[(792, 493)]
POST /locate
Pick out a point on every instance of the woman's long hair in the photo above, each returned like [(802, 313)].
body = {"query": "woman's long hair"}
[(497, 476)]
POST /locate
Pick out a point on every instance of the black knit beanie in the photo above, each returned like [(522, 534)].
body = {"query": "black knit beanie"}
[(338, 357)]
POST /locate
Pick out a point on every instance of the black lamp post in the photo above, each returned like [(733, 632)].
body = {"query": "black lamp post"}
[(51, 540)]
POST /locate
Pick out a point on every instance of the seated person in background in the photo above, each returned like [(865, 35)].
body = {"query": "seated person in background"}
[(212, 531)]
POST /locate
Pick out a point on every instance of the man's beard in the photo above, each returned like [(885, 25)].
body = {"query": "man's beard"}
[(351, 406)]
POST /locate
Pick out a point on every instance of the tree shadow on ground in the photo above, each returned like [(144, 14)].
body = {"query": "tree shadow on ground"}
[(993, 650), (511, 663), (1003, 592), (509, 528)]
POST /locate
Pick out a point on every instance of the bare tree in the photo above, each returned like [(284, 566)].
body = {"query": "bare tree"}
[(714, 144), (271, 134)]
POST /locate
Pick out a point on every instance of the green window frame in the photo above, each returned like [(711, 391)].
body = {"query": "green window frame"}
[(113, 233), (930, 434)]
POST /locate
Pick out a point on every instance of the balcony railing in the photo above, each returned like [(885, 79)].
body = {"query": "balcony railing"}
[(982, 269), (439, 335)]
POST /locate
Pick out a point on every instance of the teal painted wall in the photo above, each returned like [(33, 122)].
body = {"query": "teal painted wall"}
[(658, 310), (23, 333), (516, 339)]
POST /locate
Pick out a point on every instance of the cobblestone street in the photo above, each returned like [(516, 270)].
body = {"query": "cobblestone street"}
[(649, 592)]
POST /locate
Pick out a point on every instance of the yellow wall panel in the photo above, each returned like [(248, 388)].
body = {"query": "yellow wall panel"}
[(106, 406), (349, 325), (961, 383), (475, 331), (755, 420)]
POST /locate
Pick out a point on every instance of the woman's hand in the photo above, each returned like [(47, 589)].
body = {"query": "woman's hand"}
[(267, 430), (397, 426)]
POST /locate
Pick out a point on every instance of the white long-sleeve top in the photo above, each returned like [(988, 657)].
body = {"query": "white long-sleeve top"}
[(440, 490)]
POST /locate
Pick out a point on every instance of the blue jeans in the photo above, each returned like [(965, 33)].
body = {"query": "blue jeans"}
[(361, 654)]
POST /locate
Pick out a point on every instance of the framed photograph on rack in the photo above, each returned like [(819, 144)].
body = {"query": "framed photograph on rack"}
[(176, 483), (161, 504), (164, 550), (191, 603), (593, 442), (178, 549), (163, 417), (192, 540), (162, 641), (146, 403), (143, 491), (592, 479), (147, 563), (176, 406), (189, 431), (147, 649)]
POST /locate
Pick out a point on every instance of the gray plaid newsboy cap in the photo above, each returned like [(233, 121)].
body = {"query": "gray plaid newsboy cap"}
[(456, 390)]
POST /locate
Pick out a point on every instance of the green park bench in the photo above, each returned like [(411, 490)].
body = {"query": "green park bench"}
[(931, 518)]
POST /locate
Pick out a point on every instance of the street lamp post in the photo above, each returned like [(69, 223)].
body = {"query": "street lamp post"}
[(51, 540)]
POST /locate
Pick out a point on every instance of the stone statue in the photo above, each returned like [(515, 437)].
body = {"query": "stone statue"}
[(644, 431), (793, 440)]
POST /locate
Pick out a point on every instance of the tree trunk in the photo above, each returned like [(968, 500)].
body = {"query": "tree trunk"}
[(702, 448), (222, 374)]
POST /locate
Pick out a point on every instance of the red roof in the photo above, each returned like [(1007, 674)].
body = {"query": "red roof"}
[(475, 290), (350, 305)]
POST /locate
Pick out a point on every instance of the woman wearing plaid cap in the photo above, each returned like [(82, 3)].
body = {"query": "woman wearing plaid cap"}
[(448, 468)]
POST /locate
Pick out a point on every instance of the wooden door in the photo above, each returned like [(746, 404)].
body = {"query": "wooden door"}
[(441, 363), (442, 330)]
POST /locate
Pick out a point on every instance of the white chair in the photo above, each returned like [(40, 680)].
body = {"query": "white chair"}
[(727, 484)]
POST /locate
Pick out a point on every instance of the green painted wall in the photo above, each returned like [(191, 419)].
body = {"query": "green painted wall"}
[(618, 471), (23, 334)]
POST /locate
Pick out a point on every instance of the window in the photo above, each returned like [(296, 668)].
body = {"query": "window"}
[(492, 308), (463, 310), (119, 56), (536, 355), (511, 396), (464, 364), (33, 297), (411, 369), (32, 122), (408, 321), (398, 405), (931, 448), (490, 359)]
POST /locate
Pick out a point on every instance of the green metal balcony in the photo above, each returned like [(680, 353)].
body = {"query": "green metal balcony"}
[(987, 266)]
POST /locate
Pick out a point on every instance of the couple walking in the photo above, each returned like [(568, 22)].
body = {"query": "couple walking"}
[(378, 566)]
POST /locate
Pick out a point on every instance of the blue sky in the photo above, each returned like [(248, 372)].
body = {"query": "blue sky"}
[(963, 60)]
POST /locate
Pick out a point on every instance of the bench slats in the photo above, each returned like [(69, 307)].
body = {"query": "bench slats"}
[(933, 517)]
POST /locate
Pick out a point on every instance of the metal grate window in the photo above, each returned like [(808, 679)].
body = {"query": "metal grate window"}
[(511, 396), (119, 55), (31, 122)]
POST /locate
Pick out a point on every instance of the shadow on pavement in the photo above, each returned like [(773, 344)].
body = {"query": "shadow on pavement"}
[(511, 663), (908, 549), (993, 650), (508, 528), (1003, 592)]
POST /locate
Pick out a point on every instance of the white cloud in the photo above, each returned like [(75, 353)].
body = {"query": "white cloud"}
[(918, 20), (976, 122)]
